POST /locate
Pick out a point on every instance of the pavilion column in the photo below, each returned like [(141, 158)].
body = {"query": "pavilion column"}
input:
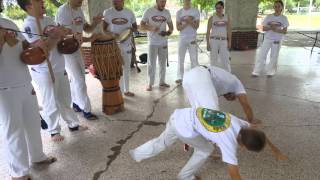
[(243, 14)]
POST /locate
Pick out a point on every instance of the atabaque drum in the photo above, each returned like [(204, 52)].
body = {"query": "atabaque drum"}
[(107, 61)]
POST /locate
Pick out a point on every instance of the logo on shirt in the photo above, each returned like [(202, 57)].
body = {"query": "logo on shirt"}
[(78, 21), (48, 29), (119, 21), (275, 23), (28, 31), (220, 23), (213, 121), (184, 18), (159, 19)]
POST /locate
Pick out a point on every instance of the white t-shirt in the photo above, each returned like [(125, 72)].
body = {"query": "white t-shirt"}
[(219, 26), (118, 21), (13, 72), (156, 18), (56, 59), (188, 32), (225, 82), (72, 19), (280, 22), (218, 127)]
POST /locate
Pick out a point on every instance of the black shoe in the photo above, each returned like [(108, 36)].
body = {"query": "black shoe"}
[(76, 108), (44, 124)]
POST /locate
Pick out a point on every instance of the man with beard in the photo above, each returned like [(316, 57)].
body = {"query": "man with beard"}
[(155, 21)]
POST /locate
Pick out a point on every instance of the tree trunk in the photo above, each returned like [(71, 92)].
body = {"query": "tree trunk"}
[(298, 11)]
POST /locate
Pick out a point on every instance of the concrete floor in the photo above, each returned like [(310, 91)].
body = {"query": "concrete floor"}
[(288, 104)]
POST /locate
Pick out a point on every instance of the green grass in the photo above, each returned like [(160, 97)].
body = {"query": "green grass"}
[(304, 21)]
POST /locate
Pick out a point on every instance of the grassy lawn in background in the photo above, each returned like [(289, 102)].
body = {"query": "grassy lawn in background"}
[(304, 21)]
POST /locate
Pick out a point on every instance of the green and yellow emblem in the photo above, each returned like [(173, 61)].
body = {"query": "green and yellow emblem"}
[(213, 121)]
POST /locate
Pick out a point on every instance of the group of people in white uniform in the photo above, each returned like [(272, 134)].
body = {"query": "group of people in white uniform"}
[(66, 93)]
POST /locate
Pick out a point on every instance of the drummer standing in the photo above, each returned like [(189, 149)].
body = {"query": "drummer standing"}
[(71, 16), (187, 23), (117, 19), (155, 21), (55, 96)]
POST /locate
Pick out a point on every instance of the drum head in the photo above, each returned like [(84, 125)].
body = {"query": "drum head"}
[(124, 35)]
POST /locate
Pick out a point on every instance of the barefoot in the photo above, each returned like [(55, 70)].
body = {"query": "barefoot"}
[(164, 85), (215, 156), (83, 128), (130, 94), (179, 82), (149, 88), (48, 161), (57, 138), (21, 178)]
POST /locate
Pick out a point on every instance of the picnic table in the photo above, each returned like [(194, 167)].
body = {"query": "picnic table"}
[(309, 33)]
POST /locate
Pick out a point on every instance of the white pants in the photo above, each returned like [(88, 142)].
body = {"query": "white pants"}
[(20, 129), (160, 51), (199, 88), (126, 55), (271, 67), (55, 99), (219, 54), (191, 46), (202, 150), (76, 73)]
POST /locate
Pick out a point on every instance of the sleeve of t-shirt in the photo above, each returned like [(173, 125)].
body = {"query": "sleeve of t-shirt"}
[(197, 17), (62, 18), (105, 16), (265, 21), (178, 16), (145, 17), (286, 22), (242, 123), (229, 154), (15, 27), (169, 20), (32, 28), (133, 17), (239, 87)]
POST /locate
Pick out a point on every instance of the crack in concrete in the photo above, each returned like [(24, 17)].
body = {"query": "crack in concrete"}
[(117, 149), (148, 123), (283, 95)]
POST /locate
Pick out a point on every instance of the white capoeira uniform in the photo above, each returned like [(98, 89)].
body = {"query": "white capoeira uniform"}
[(191, 127), (19, 117), (203, 85), (219, 53), (118, 21), (54, 97), (158, 45), (272, 40), (75, 20), (187, 40)]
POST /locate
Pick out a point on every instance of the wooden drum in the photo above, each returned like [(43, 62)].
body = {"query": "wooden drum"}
[(108, 62)]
